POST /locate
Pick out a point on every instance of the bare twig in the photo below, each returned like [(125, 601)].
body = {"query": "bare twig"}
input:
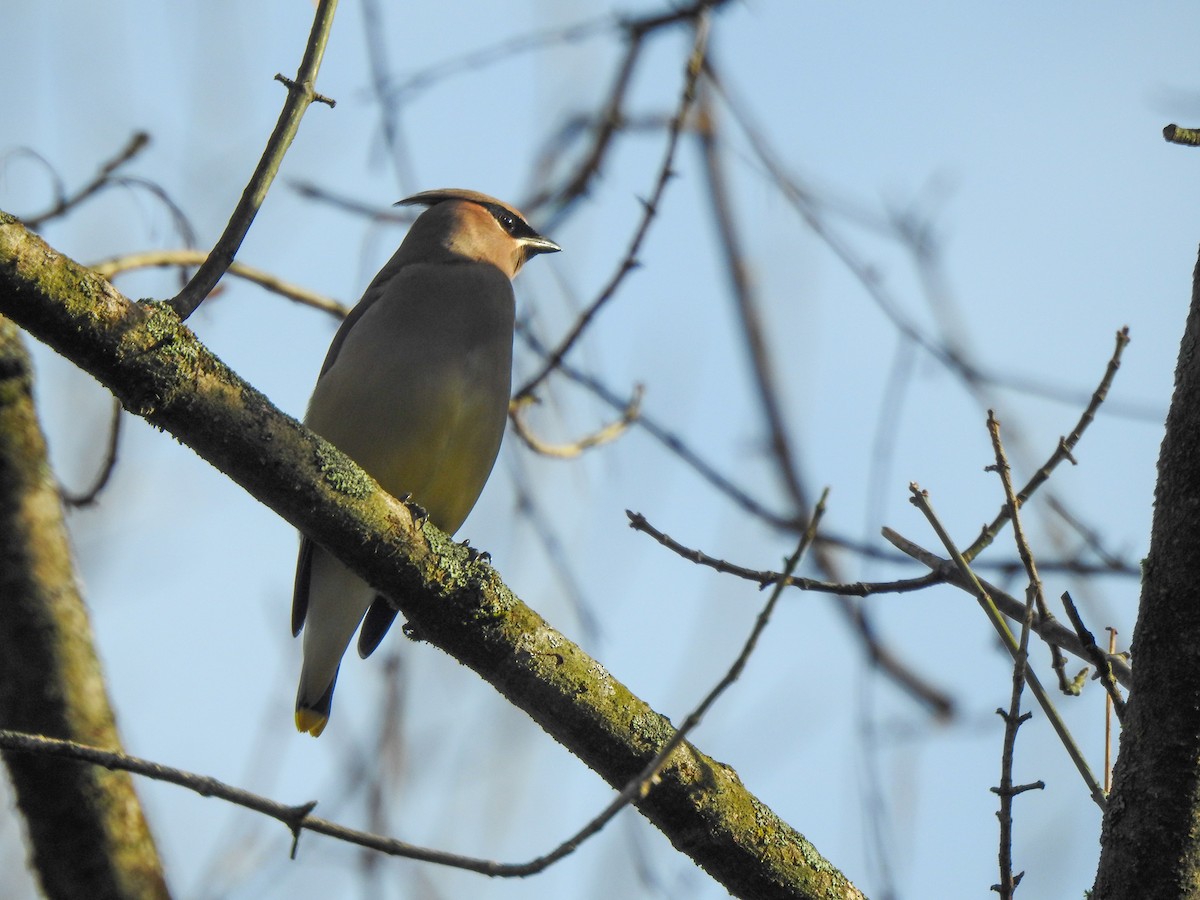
[(765, 577), (1057, 660), (115, 265), (296, 818), (643, 783), (1061, 453), (921, 500), (1013, 719), (604, 435), (300, 95)]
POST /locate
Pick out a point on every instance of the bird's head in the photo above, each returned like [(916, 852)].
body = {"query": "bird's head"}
[(475, 226)]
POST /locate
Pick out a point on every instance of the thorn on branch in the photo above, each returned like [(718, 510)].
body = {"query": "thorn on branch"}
[(295, 822)]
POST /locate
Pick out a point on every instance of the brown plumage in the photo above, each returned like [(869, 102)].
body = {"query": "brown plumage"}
[(415, 389)]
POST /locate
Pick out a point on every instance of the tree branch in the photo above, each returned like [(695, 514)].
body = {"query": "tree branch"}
[(87, 834), (451, 597)]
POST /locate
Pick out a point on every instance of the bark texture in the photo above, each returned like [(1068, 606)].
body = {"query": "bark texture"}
[(88, 837), (1151, 833)]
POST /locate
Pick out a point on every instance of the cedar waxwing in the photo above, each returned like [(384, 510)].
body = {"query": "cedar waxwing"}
[(415, 389)]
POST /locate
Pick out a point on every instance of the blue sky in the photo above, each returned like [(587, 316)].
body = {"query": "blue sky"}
[(1029, 139)]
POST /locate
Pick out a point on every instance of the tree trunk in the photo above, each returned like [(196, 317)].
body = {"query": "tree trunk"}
[(1151, 833)]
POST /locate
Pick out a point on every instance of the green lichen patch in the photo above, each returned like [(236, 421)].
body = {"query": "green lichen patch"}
[(340, 473)]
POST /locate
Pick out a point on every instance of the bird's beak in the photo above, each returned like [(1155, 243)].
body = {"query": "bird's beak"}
[(538, 244)]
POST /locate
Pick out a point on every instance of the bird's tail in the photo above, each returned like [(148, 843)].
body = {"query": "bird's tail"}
[(337, 601)]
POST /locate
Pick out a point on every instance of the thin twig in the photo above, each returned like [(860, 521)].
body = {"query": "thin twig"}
[(644, 782), (765, 577), (296, 818), (921, 500), (300, 96), (115, 265), (574, 449), (1013, 719), (1062, 452), (1058, 662)]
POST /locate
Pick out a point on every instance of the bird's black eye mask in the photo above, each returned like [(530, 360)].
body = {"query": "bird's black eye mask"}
[(512, 224)]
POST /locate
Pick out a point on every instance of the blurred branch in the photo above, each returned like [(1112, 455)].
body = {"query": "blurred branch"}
[(630, 261), (107, 467), (746, 299), (300, 95), (115, 265), (453, 598), (608, 433), (669, 439), (64, 202), (375, 34), (375, 213), (782, 450), (87, 833)]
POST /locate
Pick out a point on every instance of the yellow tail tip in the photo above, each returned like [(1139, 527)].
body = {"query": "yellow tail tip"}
[(310, 721)]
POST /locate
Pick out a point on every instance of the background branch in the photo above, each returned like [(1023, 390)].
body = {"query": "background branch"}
[(87, 833)]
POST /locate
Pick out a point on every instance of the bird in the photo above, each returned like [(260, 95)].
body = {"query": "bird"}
[(415, 389)]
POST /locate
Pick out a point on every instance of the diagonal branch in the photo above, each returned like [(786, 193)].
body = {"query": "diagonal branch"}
[(454, 600)]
